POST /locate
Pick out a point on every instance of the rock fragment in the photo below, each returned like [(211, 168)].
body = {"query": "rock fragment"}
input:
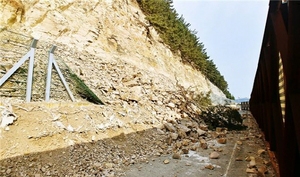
[(238, 159), (170, 127), (214, 155), (251, 170), (261, 151), (252, 162), (239, 142), (203, 144), (210, 167), (185, 150), (176, 156), (201, 132), (262, 171), (183, 128), (222, 140), (108, 165), (174, 136), (166, 161)]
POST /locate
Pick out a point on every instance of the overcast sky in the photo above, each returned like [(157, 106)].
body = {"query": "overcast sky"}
[(232, 32)]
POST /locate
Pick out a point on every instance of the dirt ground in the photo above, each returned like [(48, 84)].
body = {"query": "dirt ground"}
[(62, 139)]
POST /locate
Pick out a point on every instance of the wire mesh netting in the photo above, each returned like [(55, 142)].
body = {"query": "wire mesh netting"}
[(14, 46)]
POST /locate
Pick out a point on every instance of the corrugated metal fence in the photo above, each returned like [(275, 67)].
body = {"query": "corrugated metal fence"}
[(275, 98)]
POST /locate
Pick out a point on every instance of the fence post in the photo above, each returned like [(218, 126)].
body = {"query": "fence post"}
[(49, 73), (51, 62), (30, 71)]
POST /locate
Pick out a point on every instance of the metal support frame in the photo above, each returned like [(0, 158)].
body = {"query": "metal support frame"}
[(51, 62), (30, 56)]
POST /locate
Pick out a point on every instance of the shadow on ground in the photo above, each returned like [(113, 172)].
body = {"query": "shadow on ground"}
[(104, 157)]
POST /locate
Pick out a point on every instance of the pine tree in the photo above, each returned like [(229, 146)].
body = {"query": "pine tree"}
[(176, 33)]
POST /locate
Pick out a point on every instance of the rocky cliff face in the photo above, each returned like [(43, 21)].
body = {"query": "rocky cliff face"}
[(151, 104), (108, 43)]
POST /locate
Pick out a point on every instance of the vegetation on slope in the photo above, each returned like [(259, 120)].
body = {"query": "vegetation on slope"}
[(222, 116), (176, 33), (84, 91), (80, 87)]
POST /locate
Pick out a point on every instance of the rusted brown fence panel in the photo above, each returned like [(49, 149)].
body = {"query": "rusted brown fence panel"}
[(275, 97)]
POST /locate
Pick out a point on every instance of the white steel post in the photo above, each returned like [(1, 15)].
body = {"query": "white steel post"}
[(63, 80), (30, 71), (49, 73), (14, 68)]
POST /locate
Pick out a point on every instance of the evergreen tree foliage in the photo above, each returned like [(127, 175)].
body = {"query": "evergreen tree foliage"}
[(175, 32)]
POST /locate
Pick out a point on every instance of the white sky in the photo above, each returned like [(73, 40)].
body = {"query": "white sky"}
[(232, 32)]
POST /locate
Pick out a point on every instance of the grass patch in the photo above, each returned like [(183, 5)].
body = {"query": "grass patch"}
[(83, 90)]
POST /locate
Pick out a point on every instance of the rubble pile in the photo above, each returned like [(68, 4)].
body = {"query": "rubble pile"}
[(222, 116)]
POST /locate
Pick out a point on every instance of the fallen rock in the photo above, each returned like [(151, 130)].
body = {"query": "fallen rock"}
[(8, 171), (7, 116), (252, 163), (70, 128), (97, 165), (219, 129), (239, 142), (60, 124), (201, 132), (262, 171), (186, 142), (176, 156), (214, 155), (183, 128), (181, 133), (222, 140), (261, 151), (243, 138), (194, 147), (166, 161), (171, 105), (249, 158), (203, 144), (108, 165), (174, 136), (179, 144), (251, 170), (267, 162), (210, 167), (170, 127), (185, 150), (203, 127), (238, 159)]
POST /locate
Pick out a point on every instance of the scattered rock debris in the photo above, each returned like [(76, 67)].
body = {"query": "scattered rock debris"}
[(174, 141)]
